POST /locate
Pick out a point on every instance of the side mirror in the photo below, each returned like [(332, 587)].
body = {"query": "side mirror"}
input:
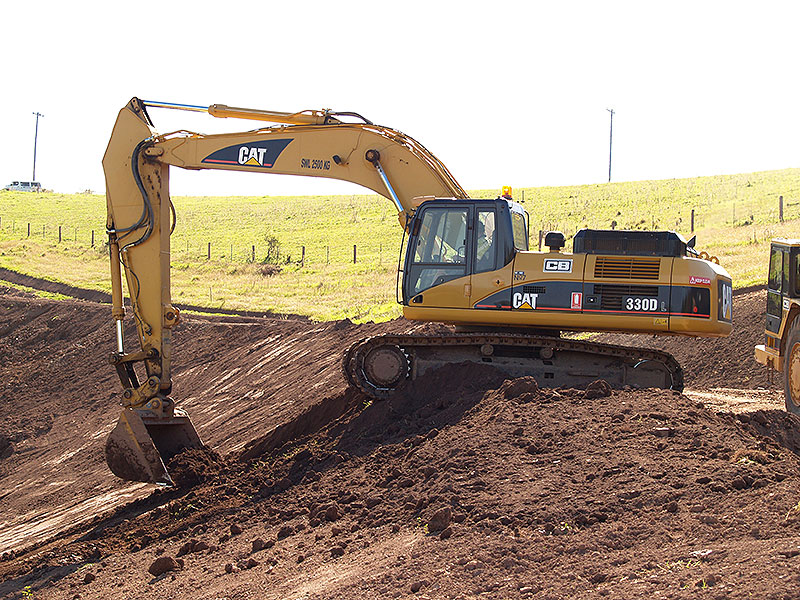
[(691, 242)]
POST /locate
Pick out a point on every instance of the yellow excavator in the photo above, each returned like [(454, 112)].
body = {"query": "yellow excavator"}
[(465, 262)]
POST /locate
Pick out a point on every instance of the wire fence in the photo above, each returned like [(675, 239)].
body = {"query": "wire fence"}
[(271, 251), (191, 249), (735, 214), (312, 254)]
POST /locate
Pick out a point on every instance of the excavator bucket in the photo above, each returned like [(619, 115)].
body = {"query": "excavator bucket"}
[(141, 445)]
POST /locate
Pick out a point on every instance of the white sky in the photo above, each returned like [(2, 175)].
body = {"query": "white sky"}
[(504, 93)]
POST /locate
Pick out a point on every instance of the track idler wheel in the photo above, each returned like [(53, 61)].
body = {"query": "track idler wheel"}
[(378, 370), (385, 366)]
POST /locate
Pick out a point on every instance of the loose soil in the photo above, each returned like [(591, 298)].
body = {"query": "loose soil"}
[(465, 486)]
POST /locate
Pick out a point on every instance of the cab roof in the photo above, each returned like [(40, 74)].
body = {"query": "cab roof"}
[(794, 243)]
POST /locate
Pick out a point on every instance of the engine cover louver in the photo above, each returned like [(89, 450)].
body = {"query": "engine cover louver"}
[(615, 267)]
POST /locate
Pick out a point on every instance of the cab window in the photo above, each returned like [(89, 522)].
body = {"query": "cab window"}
[(485, 246), (796, 274), (775, 269), (442, 237), (786, 289), (520, 231), (774, 297), (440, 249)]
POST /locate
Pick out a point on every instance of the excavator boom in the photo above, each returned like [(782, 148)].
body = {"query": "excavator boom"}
[(140, 219)]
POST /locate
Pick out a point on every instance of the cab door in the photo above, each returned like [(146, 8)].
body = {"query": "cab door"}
[(490, 284), (436, 261), (777, 286)]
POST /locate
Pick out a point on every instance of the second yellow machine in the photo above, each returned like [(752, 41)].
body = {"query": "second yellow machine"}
[(464, 261), (781, 348)]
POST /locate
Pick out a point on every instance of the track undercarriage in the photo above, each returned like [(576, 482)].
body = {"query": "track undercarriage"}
[(381, 365)]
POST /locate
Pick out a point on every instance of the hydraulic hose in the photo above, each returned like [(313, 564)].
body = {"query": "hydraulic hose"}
[(146, 206)]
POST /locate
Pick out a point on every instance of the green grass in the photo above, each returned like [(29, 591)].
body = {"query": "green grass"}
[(735, 217), (35, 292)]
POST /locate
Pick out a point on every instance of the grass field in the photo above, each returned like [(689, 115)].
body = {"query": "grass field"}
[(735, 217)]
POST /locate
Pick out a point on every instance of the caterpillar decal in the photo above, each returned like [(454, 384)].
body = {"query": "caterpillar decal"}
[(261, 154), (524, 301)]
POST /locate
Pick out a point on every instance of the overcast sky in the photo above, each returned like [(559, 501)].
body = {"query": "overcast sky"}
[(504, 93)]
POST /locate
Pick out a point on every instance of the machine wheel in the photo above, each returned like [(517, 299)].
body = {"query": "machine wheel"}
[(386, 366), (791, 370)]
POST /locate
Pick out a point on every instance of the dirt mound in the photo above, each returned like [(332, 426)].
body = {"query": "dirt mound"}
[(240, 377), (453, 491), (466, 485), (306, 423), (777, 425), (194, 466)]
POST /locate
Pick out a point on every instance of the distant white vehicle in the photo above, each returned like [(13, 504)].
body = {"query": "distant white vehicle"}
[(24, 186)]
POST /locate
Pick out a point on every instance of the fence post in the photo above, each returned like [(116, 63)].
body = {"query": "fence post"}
[(208, 256), (92, 238), (354, 254), (44, 230), (327, 255), (540, 240), (59, 234), (303, 257), (380, 254), (253, 253), (29, 230), (780, 207), (692, 221), (231, 252)]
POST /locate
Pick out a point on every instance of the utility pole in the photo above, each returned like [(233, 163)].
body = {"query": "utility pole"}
[(35, 137), (610, 138)]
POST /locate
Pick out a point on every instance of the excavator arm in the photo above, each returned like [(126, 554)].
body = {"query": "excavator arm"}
[(140, 219)]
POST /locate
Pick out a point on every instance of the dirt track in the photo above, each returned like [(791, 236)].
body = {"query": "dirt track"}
[(465, 487)]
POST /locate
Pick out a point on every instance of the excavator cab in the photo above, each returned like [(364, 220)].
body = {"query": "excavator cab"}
[(783, 282), (451, 241)]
